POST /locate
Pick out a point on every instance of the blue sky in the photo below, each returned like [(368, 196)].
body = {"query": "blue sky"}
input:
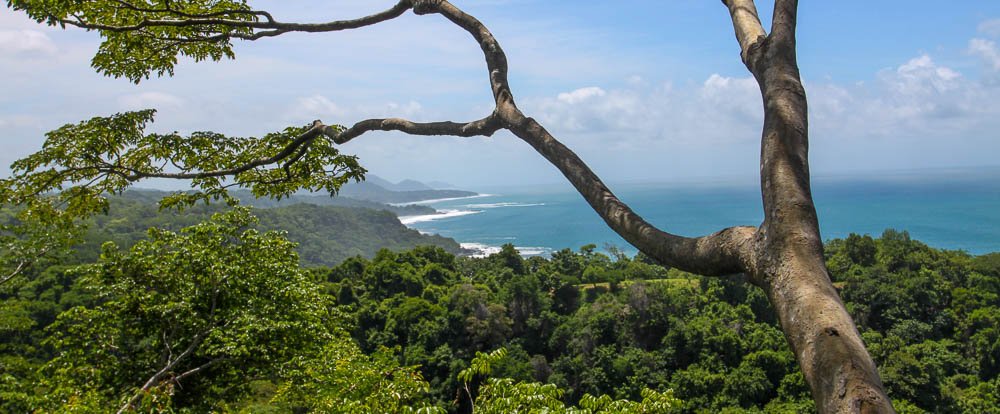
[(642, 90)]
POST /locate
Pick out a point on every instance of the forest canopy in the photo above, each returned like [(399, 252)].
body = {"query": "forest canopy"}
[(180, 320)]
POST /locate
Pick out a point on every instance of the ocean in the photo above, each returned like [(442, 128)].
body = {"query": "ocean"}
[(948, 209)]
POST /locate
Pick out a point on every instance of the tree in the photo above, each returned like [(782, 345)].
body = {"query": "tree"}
[(183, 319), (783, 255)]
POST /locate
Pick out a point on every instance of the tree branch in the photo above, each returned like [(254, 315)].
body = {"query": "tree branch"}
[(784, 21), (212, 19), (746, 23), (17, 270), (788, 261), (198, 369), (484, 127), (179, 13), (152, 381), (303, 140), (721, 253), (724, 252)]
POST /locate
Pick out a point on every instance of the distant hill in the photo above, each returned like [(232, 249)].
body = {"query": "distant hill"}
[(405, 185), (441, 185), (407, 191), (338, 201), (326, 234), (153, 196), (411, 185)]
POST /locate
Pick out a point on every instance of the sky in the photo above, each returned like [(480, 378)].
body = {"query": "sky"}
[(641, 90)]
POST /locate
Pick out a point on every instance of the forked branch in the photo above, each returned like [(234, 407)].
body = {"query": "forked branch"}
[(159, 375)]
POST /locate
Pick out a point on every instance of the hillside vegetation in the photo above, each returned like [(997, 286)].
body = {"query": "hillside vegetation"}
[(194, 313), (326, 235)]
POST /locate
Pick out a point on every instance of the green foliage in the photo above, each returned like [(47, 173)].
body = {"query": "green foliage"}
[(183, 318), (505, 395), (482, 364), (425, 322), (325, 235), (341, 379), (928, 317), (80, 163), (148, 49)]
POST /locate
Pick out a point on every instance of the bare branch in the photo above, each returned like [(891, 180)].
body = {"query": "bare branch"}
[(746, 22), (482, 127), (720, 253), (783, 22), (152, 381), (787, 260), (24, 263), (17, 270), (198, 369), (496, 59)]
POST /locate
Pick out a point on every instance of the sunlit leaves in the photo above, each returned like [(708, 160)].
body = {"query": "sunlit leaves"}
[(211, 304), (505, 395), (482, 364), (342, 379), (145, 37)]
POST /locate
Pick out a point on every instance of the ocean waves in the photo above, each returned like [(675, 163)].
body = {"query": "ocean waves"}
[(441, 214), (438, 200), (482, 245), (484, 250), (503, 204)]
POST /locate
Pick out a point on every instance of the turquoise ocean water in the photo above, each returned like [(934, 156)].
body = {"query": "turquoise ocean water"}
[(953, 209)]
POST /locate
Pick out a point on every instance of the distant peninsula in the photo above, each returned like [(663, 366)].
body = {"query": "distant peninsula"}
[(379, 190)]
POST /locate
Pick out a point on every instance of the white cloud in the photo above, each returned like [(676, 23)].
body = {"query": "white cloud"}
[(647, 119), (732, 97), (321, 107), (424, 69), (411, 109), (919, 75), (581, 95), (990, 27), (987, 50), (917, 94), (317, 106), (154, 100), (26, 42), (917, 104)]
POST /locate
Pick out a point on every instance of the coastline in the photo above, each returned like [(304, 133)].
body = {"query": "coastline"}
[(956, 212), (471, 249), (437, 200)]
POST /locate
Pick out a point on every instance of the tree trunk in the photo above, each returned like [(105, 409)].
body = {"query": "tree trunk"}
[(822, 335), (787, 261)]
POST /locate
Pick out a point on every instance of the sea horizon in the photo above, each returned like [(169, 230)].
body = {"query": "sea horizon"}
[(953, 209)]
